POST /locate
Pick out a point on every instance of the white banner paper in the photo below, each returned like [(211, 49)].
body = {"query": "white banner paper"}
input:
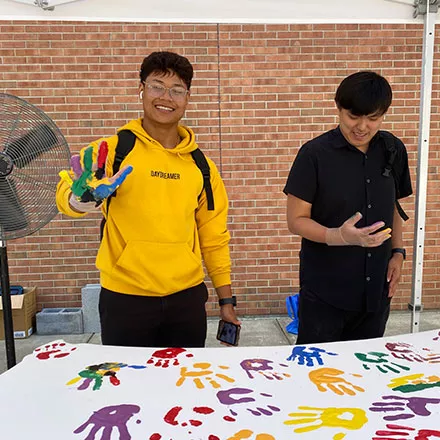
[(385, 388)]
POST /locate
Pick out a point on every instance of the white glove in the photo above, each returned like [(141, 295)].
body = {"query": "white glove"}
[(349, 235)]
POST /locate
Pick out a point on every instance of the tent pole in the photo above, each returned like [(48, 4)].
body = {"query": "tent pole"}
[(429, 9)]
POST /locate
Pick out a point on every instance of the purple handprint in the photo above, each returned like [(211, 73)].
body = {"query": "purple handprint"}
[(226, 398), (108, 418), (262, 367), (402, 350), (407, 351), (308, 355), (416, 404)]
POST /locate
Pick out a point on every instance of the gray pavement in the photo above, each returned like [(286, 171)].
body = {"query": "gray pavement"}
[(256, 331)]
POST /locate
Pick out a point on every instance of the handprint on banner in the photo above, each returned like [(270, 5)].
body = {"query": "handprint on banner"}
[(402, 350), (380, 362), (248, 434), (173, 413), (308, 355), (262, 367), (166, 357), (393, 431), (331, 378), (157, 436), (414, 382), (55, 350), (437, 338), (189, 422), (87, 179), (96, 374), (416, 405), (227, 398), (205, 373), (317, 418), (107, 419)]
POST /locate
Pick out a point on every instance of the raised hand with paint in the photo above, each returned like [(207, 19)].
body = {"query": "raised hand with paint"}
[(90, 185)]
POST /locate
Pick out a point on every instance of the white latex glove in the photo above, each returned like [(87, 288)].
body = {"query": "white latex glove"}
[(349, 235)]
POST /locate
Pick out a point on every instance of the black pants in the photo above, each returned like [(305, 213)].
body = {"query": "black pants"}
[(177, 320), (321, 322)]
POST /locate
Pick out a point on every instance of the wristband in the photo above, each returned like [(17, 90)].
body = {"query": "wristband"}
[(223, 301), (399, 251)]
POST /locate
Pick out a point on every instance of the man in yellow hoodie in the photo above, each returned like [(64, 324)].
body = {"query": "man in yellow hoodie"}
[(158, 226)]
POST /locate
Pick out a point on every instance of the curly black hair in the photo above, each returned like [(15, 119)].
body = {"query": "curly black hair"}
[(166, 63)]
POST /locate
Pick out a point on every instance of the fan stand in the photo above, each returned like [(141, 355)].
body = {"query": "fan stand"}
[(6, 302), (32, 152)]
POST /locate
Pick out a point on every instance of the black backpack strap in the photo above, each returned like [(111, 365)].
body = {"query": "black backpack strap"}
[(391, 152), (126, 141), (202, 163)]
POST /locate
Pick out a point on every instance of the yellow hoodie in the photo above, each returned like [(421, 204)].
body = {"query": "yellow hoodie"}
[(158, 228)]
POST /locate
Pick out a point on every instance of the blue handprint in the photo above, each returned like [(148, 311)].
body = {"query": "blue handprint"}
[(308, 355)]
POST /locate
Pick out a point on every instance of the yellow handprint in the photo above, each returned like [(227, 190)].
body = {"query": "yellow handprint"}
[(247, 433), (331, 378), (204, 372), (414, 382), (348, 418)]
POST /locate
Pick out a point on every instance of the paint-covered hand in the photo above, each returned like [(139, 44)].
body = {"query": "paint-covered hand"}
[(349, 235), (330, 378), (87, 179)]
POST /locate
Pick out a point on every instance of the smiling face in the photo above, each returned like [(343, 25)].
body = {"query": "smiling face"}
[(359, 130), (164, 107)]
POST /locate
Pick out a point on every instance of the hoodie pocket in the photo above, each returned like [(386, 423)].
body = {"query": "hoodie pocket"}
[(160, 268)]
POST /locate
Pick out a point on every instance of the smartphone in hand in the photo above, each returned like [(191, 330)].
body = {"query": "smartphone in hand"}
[(228, 332)]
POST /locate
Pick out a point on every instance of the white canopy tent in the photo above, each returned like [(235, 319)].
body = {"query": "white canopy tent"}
[(213, 11), (273, 11)]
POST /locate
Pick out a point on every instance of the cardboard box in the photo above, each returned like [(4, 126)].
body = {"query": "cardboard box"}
[(24, 309)]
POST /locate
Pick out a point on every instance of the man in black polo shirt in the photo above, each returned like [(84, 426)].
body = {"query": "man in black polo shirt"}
[(342, 200)]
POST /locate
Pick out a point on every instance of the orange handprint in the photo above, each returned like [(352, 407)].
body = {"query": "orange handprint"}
[(331, 377), (204, 372)]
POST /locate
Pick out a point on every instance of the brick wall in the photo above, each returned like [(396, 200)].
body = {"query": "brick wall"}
[(259, 92)]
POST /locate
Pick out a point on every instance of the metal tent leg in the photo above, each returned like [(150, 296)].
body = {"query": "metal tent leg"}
[(429, 9)]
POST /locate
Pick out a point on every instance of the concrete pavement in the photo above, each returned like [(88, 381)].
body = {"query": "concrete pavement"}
[(256, 331)]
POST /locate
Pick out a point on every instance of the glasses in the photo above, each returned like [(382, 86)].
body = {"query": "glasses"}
[(157, 90)]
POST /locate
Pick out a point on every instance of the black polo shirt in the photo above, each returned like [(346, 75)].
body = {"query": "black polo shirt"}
[(338, 180)]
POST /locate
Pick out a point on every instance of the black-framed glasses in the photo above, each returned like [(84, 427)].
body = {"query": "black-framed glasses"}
[(154, 90)]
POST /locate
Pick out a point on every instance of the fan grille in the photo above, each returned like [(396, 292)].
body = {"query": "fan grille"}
[(32, 152)]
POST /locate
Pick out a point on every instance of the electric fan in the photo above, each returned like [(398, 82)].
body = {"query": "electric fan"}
[(32, 152)]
